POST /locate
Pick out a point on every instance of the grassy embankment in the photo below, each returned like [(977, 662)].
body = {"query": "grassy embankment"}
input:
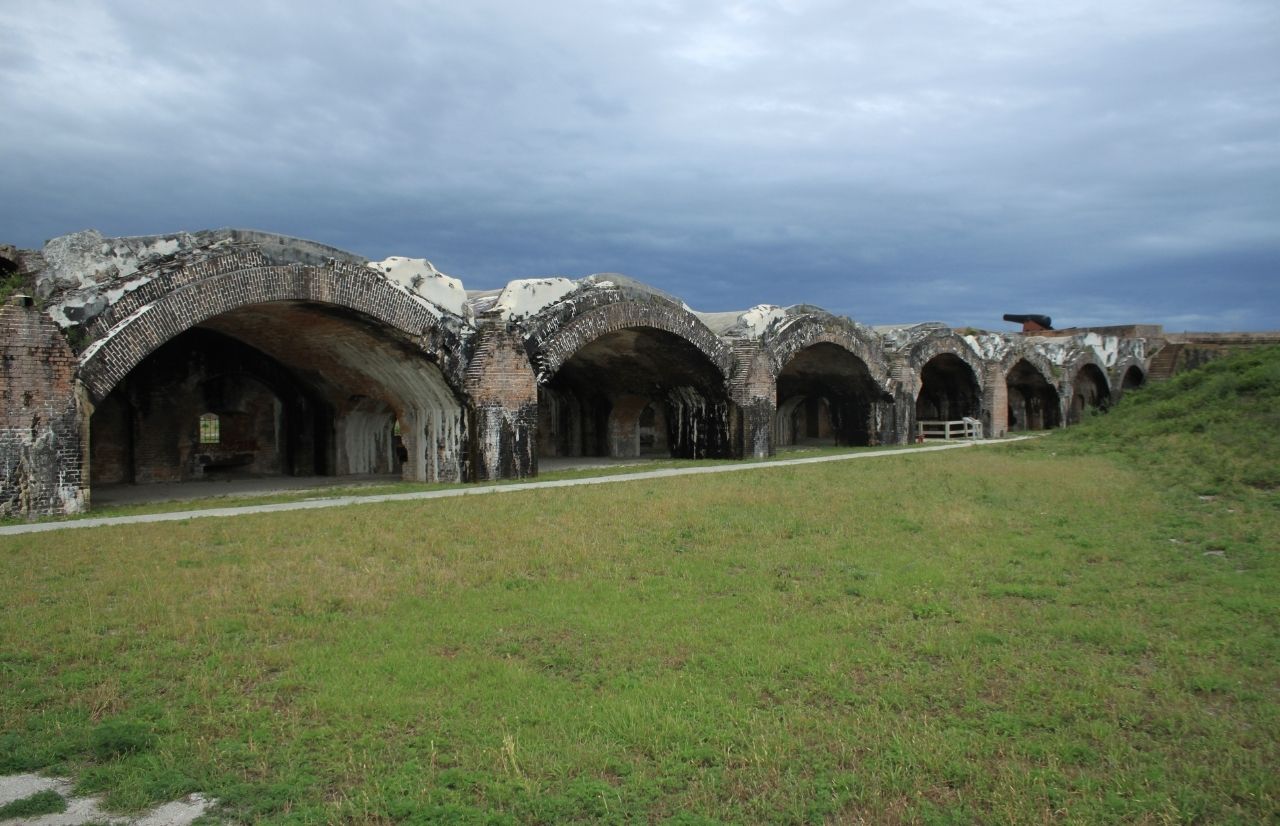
[(1078, 629)]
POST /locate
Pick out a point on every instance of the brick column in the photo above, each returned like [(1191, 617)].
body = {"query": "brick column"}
[(905, 389), (754, 392), (44, 421), (502, 392), (995, 401)]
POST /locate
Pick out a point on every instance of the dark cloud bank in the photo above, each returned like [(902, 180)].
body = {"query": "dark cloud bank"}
[(1102, 162)]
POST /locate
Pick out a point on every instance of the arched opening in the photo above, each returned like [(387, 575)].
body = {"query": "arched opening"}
[(1033, 401), (1089, 391), (826, 395), (285, 388), (638, 391), (948, 390), (1133, 379)]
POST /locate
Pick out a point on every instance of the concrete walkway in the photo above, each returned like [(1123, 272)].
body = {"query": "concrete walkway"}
[(80, 811), (108, 496), (473, 490)]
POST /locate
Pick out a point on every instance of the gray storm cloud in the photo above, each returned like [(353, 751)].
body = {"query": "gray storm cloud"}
[(1097, 161)]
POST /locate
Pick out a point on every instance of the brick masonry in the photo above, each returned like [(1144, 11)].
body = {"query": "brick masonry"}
[(470, 394), (874, 417), (42, 438), (503, 391)]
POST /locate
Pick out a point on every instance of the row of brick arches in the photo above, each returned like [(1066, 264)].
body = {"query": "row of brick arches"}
[(301, 388), (294, 389), (240, 366)]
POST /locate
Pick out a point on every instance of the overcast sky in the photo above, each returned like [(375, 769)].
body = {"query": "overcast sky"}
[(1100, 161)]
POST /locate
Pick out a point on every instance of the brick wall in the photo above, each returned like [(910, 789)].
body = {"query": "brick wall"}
[(42, 442), (379, 355), (503, 391)]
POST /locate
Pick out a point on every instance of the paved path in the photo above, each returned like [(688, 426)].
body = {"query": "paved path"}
[(81, 811), (473, 490)]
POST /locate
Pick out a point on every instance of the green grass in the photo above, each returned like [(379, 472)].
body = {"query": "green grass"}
[(40, 803), (394, 487), (1211, 430), (1065, 632), (13, 283)]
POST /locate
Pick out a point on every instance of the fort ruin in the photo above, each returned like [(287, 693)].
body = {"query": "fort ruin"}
[(177, 357)]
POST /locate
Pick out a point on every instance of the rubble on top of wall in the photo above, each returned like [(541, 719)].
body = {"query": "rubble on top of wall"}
[(84, 272), (990, 346), (626, 284), (420, 279), (745, 324), (769, 320), (1065, 351), (81, 274), (525, 299), (903, 336), (84, 260), (1112, 349), (529, 296), (540, 301)]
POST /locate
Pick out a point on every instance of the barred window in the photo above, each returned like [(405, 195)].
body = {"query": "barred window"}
[(210, 429)]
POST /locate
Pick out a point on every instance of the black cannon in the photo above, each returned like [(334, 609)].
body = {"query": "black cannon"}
[(1030, 322)]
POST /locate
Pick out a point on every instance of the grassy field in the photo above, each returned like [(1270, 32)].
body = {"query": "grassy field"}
[(1080, 629)]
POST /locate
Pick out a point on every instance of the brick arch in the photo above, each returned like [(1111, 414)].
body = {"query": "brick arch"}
[(1079, 363), (809, 330), (1056, 408), (1116, 375), (1071, 382), (211, 288), (949, 344), (591, 323), (1043, 366), (1085, 359)]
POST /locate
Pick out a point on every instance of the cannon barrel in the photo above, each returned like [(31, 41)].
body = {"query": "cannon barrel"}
[(1022, 318)]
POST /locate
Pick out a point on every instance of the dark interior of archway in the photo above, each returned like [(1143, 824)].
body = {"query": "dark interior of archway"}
[(1133, 379), (829, 376), (948, 390), (299, 389), (594, 404), (269, 421), (1089, 392), (1033, 402)]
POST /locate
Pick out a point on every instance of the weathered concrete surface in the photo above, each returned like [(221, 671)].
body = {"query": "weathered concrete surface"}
[(83, 273), (88, 810)]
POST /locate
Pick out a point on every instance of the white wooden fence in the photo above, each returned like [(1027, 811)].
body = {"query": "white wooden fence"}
[(965, 428)]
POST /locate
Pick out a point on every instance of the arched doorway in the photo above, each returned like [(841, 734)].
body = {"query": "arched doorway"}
[(1089, 391), (1033, 401), (949, 390), (631, 392), (291, 388), (826, 395), (1133, 379)]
